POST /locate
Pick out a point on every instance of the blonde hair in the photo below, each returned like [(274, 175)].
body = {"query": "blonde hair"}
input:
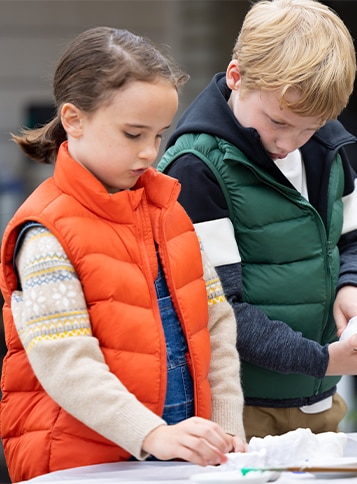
[(299, 44)]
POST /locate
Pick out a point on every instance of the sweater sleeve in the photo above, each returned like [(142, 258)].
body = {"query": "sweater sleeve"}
[(348, 242), (348, 260), (224, 375), (51, 318), (267, 343), (270, 344)]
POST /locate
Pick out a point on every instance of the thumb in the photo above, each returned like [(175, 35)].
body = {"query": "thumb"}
[(341, 322), (352, 342)]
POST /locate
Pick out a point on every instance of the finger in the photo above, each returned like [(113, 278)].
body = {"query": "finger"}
[(352, 341), (341, 323), (239, 445), (199, 450), (213, 434), (206, 454)]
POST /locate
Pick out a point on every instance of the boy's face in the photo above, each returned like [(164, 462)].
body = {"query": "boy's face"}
[(281, 131)]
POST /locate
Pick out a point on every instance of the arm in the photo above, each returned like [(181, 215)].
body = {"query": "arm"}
[(224, 375), (261, 341), (303, 355), (345, 306), (51, 318), (271, 344), (68, 361)]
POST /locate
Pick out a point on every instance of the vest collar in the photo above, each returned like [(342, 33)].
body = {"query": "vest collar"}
[(73, 179)]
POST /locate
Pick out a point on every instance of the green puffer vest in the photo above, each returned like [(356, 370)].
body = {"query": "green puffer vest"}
[(289, 258)]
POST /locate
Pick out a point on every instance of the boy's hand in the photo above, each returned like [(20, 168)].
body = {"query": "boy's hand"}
[(195, 440), (343, 357), (345, 307)]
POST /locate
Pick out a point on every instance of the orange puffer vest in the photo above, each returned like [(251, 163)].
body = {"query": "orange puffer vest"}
[(110, 241)]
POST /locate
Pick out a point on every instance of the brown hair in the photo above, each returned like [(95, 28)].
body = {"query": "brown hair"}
[(95, 64), (299, 44)]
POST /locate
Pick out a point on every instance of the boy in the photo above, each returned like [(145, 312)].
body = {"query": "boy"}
[(267, 183)]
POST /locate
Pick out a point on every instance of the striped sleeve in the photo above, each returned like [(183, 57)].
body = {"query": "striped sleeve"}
[(224, 374), (51, 302)]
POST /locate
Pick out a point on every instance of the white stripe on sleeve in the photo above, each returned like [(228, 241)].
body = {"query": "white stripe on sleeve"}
[(350, 211), (218, 241)]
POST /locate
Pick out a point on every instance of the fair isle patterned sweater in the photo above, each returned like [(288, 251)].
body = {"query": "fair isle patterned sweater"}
[(51, 318)]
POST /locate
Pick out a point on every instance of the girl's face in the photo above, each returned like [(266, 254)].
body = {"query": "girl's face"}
[(281, 131), (119, 141)]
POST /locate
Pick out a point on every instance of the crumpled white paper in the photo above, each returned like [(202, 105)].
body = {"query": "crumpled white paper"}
[(350, 329), (291, 449)]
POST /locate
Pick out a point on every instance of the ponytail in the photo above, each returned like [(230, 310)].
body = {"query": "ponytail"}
[(42, 144)]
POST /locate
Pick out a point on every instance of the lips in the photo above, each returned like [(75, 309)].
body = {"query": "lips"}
[(138, 172), (275, 156)]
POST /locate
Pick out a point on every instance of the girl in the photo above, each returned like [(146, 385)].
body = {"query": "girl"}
[(106, 318)]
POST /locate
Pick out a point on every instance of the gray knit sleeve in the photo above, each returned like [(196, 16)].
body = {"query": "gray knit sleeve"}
[(267, 343)]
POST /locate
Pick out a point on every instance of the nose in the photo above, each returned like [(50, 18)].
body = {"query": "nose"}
[(149, 152), (287, 144)]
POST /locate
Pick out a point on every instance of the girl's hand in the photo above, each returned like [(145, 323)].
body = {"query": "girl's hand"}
[(239, 445), (195, 440)]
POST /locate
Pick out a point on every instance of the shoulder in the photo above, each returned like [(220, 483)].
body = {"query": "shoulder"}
[(201, 194), (333, 134)]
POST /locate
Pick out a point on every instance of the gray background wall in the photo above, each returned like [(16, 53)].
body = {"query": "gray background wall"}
[(34, 32)]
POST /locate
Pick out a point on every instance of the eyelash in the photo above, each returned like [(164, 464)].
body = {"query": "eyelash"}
[(277, 123), (135, 136), (131, 136), (282, 125)]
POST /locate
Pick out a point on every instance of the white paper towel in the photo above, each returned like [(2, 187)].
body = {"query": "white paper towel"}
[(291, 449)]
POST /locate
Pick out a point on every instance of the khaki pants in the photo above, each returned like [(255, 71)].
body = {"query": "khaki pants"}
[(262, 421)]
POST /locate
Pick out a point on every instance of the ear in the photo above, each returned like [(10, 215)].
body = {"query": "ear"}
[(71, 118), (233, 77)]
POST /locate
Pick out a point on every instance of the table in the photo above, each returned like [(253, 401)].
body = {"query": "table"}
[(171, 473)]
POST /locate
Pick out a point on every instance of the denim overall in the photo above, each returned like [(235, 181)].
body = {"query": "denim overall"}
[(179, 402)]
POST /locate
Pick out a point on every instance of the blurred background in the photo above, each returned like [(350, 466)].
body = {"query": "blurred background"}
[(33, 33)]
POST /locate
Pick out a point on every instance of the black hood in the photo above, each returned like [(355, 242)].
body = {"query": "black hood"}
[(209, 113)]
